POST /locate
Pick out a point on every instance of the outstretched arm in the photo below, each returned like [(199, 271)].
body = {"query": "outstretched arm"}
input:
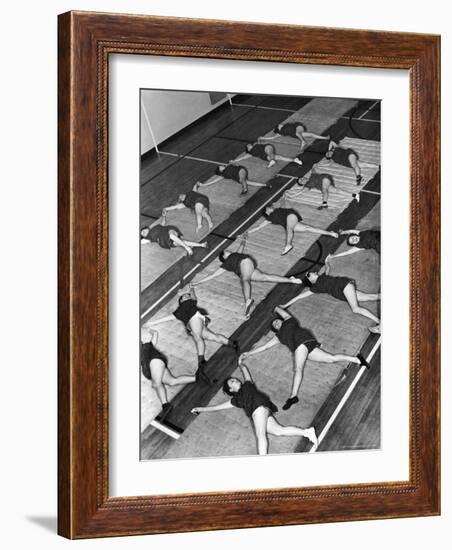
[(246, 373), (282, 313), (272, 342), (243, 156), (346, 253), (304, 294), (212, 408), (216, 273), (178, 206), (242, 245), (349, 232), (258, 227), (210, 182), (269, 138), (161, 320)]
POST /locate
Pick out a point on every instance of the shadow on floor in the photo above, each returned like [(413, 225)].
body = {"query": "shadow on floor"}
[(49, 523)]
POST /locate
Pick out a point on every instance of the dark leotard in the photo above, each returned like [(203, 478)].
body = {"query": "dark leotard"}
[(279, 216), (293, 336), (187, 309), (258, 151), (370, 238), (232, 172), (341, 156), (334, 286), (148, 353), (160, 234), (315, 181), (192, 198), (249, 398), (290, 129), (233, 261)]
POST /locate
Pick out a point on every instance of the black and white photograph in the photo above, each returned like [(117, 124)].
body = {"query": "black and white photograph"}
[(260, 274)]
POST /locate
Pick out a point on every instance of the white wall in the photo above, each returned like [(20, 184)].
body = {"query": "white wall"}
[(164, 113), (28, 274)]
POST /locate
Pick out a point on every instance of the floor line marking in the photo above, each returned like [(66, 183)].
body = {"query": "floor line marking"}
[(192, 158), (268, 108), (345, 397), (194, 268), (164, 429), (369, 109), (362, 119)]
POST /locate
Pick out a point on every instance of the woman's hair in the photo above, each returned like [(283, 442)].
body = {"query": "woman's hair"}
[(226, 388), (349, 237), (221, 256), (276, 129), (184, 297), (218, 171)]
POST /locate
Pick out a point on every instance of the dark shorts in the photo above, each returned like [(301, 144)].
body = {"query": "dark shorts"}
[(310, 345), (315, 181)]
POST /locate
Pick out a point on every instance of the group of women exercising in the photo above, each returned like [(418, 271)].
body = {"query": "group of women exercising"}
[(300, 340)]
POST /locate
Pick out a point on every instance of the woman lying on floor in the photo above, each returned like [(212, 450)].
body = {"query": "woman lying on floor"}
[(245, 267), (303, 345), (258, 406), (266, 152), (196, 321), (167, 236), (198, 203), (154, 366), (341, 288), (295, 130), (291, 221), (233, 172)]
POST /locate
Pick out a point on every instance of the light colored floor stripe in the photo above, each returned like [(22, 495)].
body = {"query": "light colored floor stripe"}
[(269, 200), (165, 429), (192, 158), (362, 119), (347, 394), (369, 109), (268, 108)]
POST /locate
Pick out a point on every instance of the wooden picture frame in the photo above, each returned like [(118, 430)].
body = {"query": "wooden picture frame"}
[(85, 42)]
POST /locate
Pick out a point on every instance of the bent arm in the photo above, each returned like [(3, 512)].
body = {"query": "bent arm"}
[(216, 273), (304, 294)]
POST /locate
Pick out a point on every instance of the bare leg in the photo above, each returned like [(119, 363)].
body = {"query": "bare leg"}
[(260, 418), (214, 337), (198, 214), (261, 277), (299, 361), (206, 215), (196, 325), (321, 356), (246, 273), (353, 159), (179, 242), (292, 221), (171, 380), (366, 297), (275, 428), (351, 297), (256, 184), (157, 368)]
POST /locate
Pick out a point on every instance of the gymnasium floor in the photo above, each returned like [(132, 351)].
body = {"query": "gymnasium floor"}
[(341, 401)]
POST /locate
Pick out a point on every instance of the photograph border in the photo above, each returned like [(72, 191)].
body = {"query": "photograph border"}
[(85, 42)]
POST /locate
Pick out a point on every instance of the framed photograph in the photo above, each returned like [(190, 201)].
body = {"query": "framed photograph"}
[(248, 275)]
